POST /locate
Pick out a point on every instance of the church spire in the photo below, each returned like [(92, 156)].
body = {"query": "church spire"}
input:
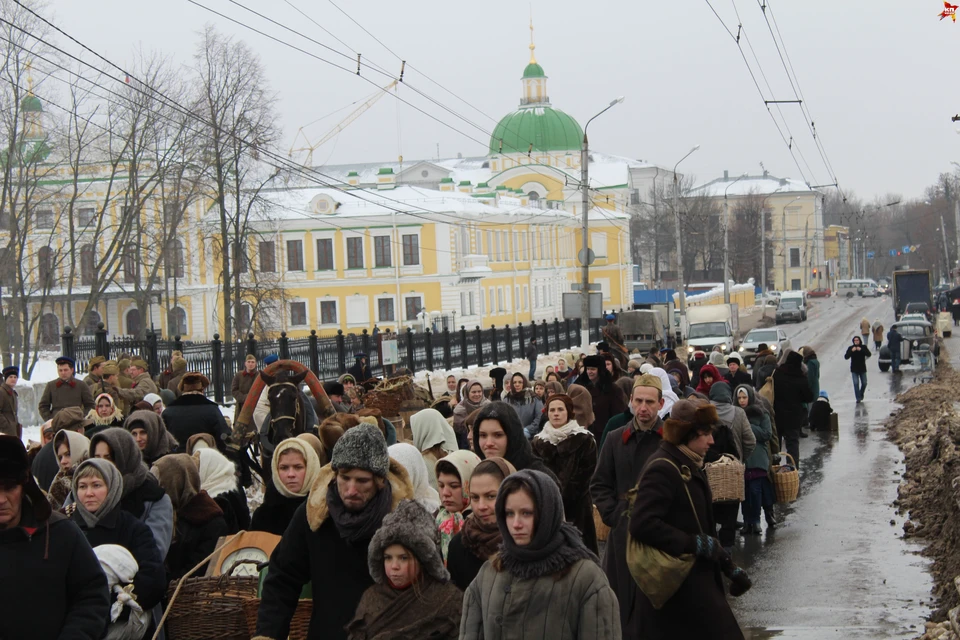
[(533, 59)]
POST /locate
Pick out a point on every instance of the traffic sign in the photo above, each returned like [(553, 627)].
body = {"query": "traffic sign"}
[(591, 257)]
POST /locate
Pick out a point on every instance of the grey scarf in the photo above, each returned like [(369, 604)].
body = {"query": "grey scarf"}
[(113, 480), (555, 545), (355, 526)]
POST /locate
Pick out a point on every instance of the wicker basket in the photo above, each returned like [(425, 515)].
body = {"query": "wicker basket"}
[(602, 530), (390, 395), (210, 608), (786, 484), (299, 625), (726, 479)]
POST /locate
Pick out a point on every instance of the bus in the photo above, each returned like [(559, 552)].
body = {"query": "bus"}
[(854, 287)]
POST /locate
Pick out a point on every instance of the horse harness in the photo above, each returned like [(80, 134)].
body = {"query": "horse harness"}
[(296, 404)]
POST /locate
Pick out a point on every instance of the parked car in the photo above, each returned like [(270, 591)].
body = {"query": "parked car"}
[(869, 292), (907, 317), (914, 333), (789, 311), (822, 292), (765, 300), (918, 307), (776, 339)]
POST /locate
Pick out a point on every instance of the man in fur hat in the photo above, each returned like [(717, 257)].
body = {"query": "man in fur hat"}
[(327, 540), (242, 382), (51, 584), (9, 403), (608, 399), (192, 412), (93, 366), (622, 457), (65, 391)]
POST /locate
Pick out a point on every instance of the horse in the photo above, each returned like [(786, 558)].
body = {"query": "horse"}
[(287, 408)]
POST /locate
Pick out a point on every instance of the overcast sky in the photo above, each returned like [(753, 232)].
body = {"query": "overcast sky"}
[(879, 78)]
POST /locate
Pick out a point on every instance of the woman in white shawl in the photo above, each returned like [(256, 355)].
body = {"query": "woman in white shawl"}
[(425, 495), (218, 477), (434, 438), (669, 397)]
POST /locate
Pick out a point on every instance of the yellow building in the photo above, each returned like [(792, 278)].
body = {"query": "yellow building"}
[(836, 253)]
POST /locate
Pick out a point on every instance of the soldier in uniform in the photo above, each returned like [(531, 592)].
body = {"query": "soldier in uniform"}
[(65, 391), (93, 377), (244, 380), (9, 423)]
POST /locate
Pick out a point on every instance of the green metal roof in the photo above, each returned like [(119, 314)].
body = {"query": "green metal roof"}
[(385, 171), (464, 183), (31, 104), (534, 70), (547, 128), (352, 174), (446, 180)]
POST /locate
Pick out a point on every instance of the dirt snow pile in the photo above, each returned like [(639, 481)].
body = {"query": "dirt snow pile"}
[(927, 431)]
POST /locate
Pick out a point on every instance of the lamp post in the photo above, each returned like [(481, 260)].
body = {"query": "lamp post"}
[(726, 242), (676, 213), (585, 257)]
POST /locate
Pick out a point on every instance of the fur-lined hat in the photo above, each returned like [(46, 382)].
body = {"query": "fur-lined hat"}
[(345, 421), (193, 381), (412, 527), (687, 415), (15, 470), (362, 447), (597, 362)]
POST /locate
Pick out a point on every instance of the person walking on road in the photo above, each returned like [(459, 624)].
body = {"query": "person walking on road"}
[(791, 392), (894, 341), (877, 333), (531, 355), (865, 330), (857, 353)]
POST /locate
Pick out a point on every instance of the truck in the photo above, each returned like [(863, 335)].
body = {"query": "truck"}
[(642, 329), (712, 325), (911, 285)]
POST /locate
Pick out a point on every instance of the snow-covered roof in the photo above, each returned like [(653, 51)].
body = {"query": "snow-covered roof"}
[(760, 185)]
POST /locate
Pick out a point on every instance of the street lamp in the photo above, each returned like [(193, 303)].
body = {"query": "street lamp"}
[(676, 213), (726, 242), (585, 257)]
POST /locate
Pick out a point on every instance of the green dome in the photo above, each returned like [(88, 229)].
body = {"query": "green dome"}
[(534, 70), (547, 128), (31, 104)]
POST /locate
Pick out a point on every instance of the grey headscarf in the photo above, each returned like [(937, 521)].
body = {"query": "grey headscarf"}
[(126, 456), (114, 481)]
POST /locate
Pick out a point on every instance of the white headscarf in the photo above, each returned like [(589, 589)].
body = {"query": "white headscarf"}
[(430, 428), (412, 461), (309, 457), (218, 475), (669, 397)]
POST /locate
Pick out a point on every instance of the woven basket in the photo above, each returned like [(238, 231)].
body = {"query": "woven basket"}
[(299, 625), (786, 484), (726, 479), (602, 530), (210, 608)]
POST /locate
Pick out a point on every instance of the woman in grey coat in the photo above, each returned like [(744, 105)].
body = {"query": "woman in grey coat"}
[(526, 403), (544, 583)]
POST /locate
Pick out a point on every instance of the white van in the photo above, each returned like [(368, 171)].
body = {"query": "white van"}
[(800, 297)]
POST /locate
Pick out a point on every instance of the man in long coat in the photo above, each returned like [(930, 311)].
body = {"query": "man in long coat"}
[(65, 391)]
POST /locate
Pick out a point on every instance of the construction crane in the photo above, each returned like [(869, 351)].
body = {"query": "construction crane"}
[(343, 124)]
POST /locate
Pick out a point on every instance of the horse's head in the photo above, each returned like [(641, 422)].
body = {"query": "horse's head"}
[(286, 408)]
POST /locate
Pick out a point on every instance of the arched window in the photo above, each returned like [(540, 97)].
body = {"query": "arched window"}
[(177, 322), (87, 265), (173, 259), (90, 327), (133, 322), (45, 267), (49, 329)]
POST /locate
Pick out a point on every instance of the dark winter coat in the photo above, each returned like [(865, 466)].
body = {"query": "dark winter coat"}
[(51, 584), (462, 564), (529, 408), (193, 413), (790, 391), (608, 401), (276, 512), (120, 527), (360, 372), (9, 406), (762, 430), (573, 461), (894, 340), (858, 359), (45, 465), (313, 550), (738, 378), (236, 513), (813, 375), (820, 412), (60, 395), (198, 527), (622, 457), (242, 382), (662, 518), (763, 366), (615, 422)]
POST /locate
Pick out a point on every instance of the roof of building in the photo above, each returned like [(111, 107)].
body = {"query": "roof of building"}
[(548, 129), (760, 185), (31, 104), (534, 70)]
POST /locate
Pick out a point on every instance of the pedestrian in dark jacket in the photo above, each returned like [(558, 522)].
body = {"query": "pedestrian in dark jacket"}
[(894, 343), (192, 412), (65, 391), (531, 355), (736, 373), (857, 353), (9, 403), (758, 490), (151, 434), (243, 380), (544, 582), (527, 405), (732, 436), (812, 363), (328, 539), (51, 584), (791, 393), (497, 432), (763, 365), (480, 536), (820, 412), (360, 369), (218, 477), (294, 468), (97, 488), (699, 359), (607, 398), (662, 517), (624, 452), (198, 520)]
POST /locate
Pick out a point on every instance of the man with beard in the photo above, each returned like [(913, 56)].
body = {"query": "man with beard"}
[(624, 453), (608, 399)]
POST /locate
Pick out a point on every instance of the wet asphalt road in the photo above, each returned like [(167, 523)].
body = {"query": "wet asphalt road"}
[(835, 567)]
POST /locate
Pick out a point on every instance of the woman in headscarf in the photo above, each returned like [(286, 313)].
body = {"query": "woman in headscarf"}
[(453, 481), (97, 487), (199, 441), (151, 434), (669, 396), (707, 376), (105, 414), (433, 438), (497, 432), (198, 521), (71, 449), (218, 477), (142, 496), (570, 451), (561, 593), (758, 489), (480, 536), (525, 402), (412, 596), (675, 366), (294, 468), (425, 495), (471, 400)]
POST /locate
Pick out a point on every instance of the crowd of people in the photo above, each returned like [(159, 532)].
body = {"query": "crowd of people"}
[(483, 522)]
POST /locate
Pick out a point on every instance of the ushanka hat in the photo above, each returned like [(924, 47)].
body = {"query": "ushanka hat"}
[(362, 447), (193, 381), (687, 415), (597, 362), (15, 471), (412, 527)]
